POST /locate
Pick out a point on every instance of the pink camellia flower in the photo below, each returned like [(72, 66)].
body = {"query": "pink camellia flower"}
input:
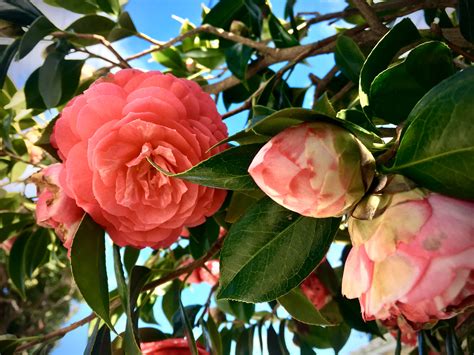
[(54, 209), (107, 137), (316, 169), (177, 346), (208, 274), (412, 257), (316, 292)]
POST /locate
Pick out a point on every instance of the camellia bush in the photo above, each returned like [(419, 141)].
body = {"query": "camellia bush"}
[(382, 163)]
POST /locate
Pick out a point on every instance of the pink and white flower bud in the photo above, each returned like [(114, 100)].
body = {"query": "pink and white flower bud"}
[(414, 256), (316, 169), (54, 209), (316, 292)]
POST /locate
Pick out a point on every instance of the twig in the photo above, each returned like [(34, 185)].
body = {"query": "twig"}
[(323, 83), (340, 94), (261, 47), (370, 16), (96, 37), (84, 50), (245, 106), (150, 286)]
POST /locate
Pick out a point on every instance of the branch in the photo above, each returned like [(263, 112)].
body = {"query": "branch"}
[(370, 16), (149, 286), (261, 47), (96, 37)]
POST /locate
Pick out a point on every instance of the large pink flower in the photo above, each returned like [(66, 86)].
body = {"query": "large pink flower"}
[(176, 346), (413, 258), (54, 209), (106, 137), (315, 169)]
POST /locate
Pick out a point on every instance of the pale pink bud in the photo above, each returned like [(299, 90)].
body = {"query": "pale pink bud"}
[(316, 292), (209, 273), (412, 257), (316, 169), (54, 209)]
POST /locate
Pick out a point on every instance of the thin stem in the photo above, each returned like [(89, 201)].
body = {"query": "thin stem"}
[(370, 16)]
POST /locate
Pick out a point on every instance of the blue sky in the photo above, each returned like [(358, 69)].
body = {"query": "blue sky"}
[(154, 18)]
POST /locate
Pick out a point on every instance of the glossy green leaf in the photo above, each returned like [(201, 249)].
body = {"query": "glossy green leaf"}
[(222, 14), (326, 337), (265, 268), (44, 141), (436, 150), (225, 170), (209, 57), (214, 336), (188, 328), (36, 250), (240, 310), (203, 237), (237, 57), (324, 105), (349, 58), (99, 341), (301, 308), (466, 19), (274, 344), (88, 267), (80, 7), (50, 79), (138, 278), (109, 6), (91, 24), (40, 28), (70, 73), (130, 257), (16, 263), (401, 35), (280, 35), (179, 322), (170, 301), (170, 58), (352, 314), (244, 344), (396, 90), (6, 56), (357, 117)]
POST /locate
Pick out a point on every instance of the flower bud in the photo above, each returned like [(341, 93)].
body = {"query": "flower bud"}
[(177, 346), (316, 169), (209, 273), (54, 208), (413, 257)]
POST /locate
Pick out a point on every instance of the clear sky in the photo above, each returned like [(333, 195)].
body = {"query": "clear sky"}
[(153, 17)]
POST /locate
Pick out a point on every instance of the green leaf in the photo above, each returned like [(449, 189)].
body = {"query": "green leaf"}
[(301, 308), (36, 250), (188, 329), (466, 19), (88, 267), (326, 337), (274, 344), (436, 150), (170, 301), (401, 35), (99, 342), (209, 57), (179, 323), (349, 58), (91, 24), (44, 141), (324, 106), (237, 57), (80, 7), (16, 263), (240, 310), (40, 28), (50, 80), (130, 257), (170, 58), (265, 267), (222, 14), (214, 336), (357, 117), (138, 278), (396, 90), (352, 314), (109, 6), (70, 73), (225, 170), (203, 237), (244, 344), (280, 35), (6, 56)]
